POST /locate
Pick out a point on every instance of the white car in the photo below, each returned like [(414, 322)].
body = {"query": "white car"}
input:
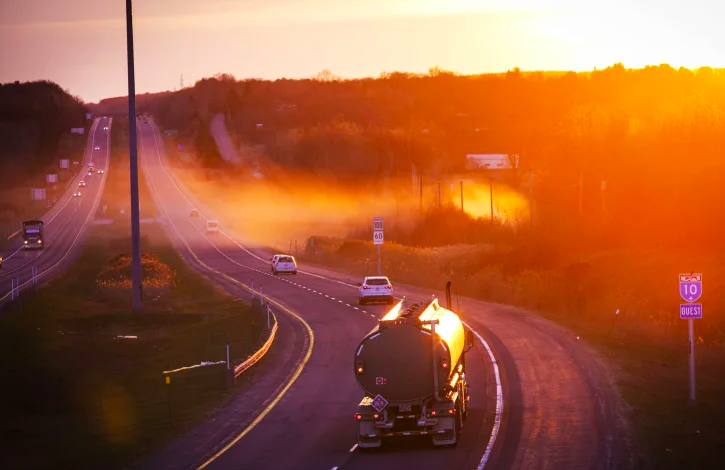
[(82, 184), (284, 264), (105, 128), (100, 172), (376, 289), (97, 148), (77, 194)]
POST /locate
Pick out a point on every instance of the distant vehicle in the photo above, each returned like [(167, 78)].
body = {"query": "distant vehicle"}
[(89, 173), (82, 184), (105, 128), (96, 148), (91, 164), (92, 169), (1, 261), (212, 227), (100, 172), (77, 194), (284, 264), (33, 231), (194, 213), (376, 289), (402, 395)]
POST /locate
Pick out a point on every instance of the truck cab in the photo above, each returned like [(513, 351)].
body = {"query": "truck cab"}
[(33, 235)]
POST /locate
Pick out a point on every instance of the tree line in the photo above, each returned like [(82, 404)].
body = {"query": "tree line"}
[(35, 123), (620, 154)]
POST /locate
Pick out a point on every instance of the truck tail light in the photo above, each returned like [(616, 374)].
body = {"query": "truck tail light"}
[(358, 416), (444, 363), (376, 416), (452, 411), (360, 368)]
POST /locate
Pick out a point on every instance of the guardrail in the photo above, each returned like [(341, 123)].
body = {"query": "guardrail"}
[(254, 358), (196, 366), (248, 363)]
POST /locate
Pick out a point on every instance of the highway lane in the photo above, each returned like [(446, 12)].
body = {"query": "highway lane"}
[(314, 420), (64, 222), (562, 410)]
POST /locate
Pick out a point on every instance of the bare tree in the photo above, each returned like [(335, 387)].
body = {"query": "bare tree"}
[(326, 76)]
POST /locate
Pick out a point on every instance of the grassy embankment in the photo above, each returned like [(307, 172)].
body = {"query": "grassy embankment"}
[(77, 395), (646, 343)]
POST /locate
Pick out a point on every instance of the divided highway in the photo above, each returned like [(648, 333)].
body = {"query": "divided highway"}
[(539, 398), (64, 222)]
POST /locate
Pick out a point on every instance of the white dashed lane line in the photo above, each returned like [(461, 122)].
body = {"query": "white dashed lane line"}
[(306, 288)]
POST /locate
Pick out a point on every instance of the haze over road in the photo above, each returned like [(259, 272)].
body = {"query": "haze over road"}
[(560, 409), (64, 222)]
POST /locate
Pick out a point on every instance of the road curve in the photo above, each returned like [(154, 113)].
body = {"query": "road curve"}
[(314, 419), (561, 409), (64, 222)]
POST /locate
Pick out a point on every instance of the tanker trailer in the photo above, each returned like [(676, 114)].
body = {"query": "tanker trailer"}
[(412, 368)]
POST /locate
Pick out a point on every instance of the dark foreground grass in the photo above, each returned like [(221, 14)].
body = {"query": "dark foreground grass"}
[(75, 395), (653, 379)]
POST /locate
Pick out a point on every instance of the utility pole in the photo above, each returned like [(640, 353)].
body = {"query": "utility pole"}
[(420, 186), (462, 197), (135, 223), (531, 197), (581, 192), (490, 182)]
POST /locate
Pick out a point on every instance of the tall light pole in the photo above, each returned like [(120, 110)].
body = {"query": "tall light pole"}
[(135, 223)]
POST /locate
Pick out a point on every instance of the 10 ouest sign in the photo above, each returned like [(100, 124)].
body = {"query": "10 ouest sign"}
[(690, 291)]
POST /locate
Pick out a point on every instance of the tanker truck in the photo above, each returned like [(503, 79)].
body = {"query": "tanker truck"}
[(412, 369)]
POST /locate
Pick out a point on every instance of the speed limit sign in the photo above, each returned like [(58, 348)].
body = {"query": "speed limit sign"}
[(378, 231)]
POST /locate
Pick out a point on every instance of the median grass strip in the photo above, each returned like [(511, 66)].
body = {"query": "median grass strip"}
[(82, 383), (81, 374)]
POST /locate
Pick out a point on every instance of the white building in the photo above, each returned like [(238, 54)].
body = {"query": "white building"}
[(492, 161)]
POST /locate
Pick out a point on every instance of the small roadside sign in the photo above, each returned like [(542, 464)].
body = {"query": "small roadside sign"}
[(378, 237), (379, 403), (688, 311), (690, 287), (168, 379), (64, 163)]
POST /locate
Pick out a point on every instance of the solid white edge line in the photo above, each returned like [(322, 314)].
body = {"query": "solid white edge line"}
[(353, 448), (499, 401)]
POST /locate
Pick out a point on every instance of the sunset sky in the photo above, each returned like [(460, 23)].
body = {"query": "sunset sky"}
[(80, 44)]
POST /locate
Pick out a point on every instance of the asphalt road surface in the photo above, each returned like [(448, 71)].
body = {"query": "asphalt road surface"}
[(540, 399), (64, 222)]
